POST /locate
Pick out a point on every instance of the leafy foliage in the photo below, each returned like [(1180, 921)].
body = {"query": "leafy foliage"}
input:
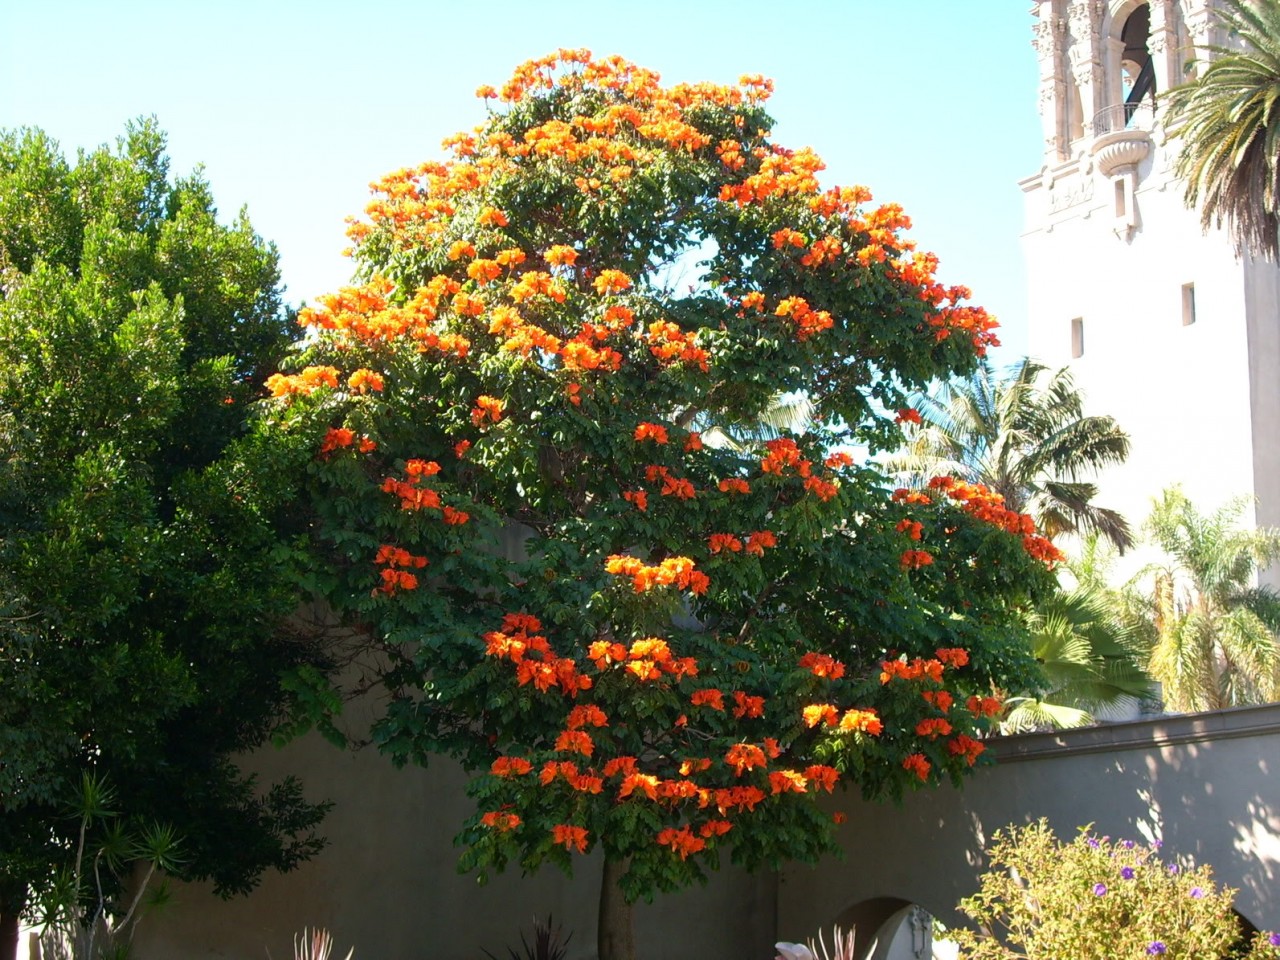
[(635, 638), (1096, 899), (1213, 631), (1024, 435), (142, 578), (1228, 122)]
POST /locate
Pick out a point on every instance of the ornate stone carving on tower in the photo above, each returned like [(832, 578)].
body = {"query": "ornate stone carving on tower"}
[(1165, 328)]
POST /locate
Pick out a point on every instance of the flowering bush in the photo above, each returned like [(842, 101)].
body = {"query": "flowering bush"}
[(643, 623), (1099, 899)]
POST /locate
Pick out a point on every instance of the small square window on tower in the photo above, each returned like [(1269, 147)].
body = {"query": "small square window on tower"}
[(1077, 337), (1188, 304)]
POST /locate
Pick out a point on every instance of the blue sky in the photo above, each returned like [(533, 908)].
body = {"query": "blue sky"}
[(294, 107)]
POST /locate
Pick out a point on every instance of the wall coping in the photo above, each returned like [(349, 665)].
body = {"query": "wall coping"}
[(1165, 731)]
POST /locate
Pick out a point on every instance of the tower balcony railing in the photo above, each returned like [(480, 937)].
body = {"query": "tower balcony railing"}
[(1136, 115)]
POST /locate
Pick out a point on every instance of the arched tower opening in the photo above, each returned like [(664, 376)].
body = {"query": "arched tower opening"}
[(1137, 67)]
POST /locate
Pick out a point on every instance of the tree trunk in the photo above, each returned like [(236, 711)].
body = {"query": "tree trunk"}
[(615, 934), (8, 936)]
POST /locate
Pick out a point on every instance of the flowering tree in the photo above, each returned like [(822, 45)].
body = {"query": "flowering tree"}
[(641, 636)]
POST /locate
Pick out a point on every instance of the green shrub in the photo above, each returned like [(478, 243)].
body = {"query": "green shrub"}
[(1099, 899)]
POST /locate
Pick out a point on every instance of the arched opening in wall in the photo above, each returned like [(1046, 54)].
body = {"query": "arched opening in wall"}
[(889, 928), (1137, 69)]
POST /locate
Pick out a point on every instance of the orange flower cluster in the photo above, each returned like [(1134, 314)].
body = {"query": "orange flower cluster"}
[(758, 541), (486, 409), (911, 528), (364, 379), (933, 728), (500, 821), (367, 315), (988, 506), (415, 497), (510, 767), (955, 657), (575, 741), (520, 642), (984, 706), (395, 574), (915, 559), (650, 658), (852, 721), (304, 383), (917, 763), (734, 485), (824, 490), (669, 343), (573, 838), (673, 571), (338, 438), (639, 498), (651, 431), (822, 665), (787, 781), (737, 798), (681, 841), (567, 770), (745, 705), (861, 721), (903, 495), (782, 454), (586, 715), (743, 757), (708, 698), (724, 541), (807, 320), (907, 415), (672, 486), (939, 698), (911, 670), (967, 747)]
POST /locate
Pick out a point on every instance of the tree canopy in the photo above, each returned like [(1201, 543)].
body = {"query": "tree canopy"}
[(634, 638), (142, 582), (1212, 627), (1228, 121), (1024, 434)]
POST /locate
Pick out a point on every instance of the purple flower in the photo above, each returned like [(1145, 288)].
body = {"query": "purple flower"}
[(1196, 893), (1155, 947), (1274, 939), (1127, 873), (1173, 869), (1093, 842), (1157, 844), (1128, 844), (1099, 889)]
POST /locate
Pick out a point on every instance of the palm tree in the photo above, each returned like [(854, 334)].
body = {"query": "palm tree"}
[(1088, 650), (1228, 119), (1026, 437), (1213, 630)]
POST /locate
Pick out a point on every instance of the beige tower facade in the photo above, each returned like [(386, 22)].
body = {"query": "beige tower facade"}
[(1164, 327)]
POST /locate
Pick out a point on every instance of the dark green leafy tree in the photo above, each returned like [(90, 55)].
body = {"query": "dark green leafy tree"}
[(142, 578), (1023, 434), (1228, 119)]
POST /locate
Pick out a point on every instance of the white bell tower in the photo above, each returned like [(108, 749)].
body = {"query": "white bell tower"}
[(1164, 327)]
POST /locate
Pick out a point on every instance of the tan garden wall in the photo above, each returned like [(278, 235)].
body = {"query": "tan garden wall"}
[(1207, 785)]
